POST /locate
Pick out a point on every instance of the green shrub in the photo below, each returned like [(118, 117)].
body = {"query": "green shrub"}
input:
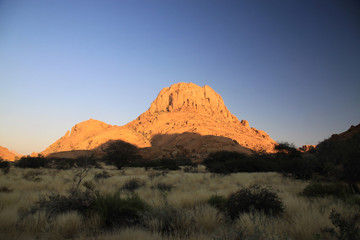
[(337, 190), (116, 211), (218, 202), (254, 198), (133, 184)]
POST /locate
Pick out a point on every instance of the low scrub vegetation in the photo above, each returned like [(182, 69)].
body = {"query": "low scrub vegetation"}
[(284, 195), (337, 190), (31, 162), (289, 164), (133, 184), (254, 198), (115, 211), (231, 162), (176, 205), (163, 164)]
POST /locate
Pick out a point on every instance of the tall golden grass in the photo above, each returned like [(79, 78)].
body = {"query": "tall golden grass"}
[(303, 218)]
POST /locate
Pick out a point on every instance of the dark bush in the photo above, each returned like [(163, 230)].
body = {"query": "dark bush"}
[(5, 190), (337, 190), (174, 221), (218, 202), (163, 187), (226, 162), (285, 147), (33, 175), (338, 158), (351, 169), (353, 200), (167, 164), (4, 166), (254, 198), (89, 185), (133, 184), (102, 175), (113, 210), (163, 164), (68, 163), (121, 153), (297, 167), (31, 162), (154, 174), (54, 203), (116, 211), (347, 227)]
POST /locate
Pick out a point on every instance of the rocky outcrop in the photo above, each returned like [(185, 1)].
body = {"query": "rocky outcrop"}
[(183, 119), (189, 97), (307, 148), (8, 155), (186, 107), (92, 133)]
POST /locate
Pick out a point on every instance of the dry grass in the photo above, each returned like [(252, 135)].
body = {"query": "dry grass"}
[(303, 218)]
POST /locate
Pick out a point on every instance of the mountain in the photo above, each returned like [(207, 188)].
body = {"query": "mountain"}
[(184, 120), (7, 155), (352, 132), (340, 145)]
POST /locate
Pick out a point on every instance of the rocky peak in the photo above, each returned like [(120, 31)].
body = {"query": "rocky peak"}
[(88, 125), (189, 97), (184, 116)]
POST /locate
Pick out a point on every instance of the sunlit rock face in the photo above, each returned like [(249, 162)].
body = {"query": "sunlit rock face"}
[(8, 155), (189, 97), (186, 107), (184, 120), (307, 148)]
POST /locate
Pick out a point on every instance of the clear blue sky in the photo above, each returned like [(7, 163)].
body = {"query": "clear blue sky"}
[(291, 68)]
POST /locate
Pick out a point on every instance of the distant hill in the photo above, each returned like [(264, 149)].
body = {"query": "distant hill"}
[(6, 154), (184, 120), (339, 148), (352, 132), (348, 140)]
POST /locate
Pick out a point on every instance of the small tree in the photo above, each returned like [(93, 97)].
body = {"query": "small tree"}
[(121, 153), (4, 165)]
